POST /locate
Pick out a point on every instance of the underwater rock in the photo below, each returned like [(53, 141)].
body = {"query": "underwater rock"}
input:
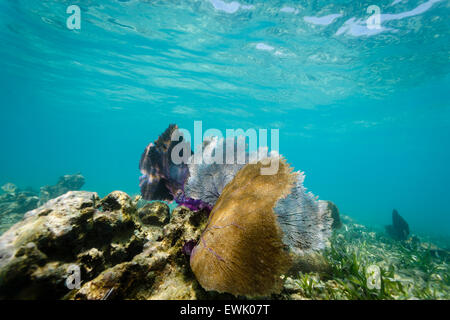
[(75, 228), (14, 205), (15, 202), (256, 224), (9, 187), (19, 202), (118, 256), (161, 178), (161, 271), (413, 242), (399, 229), (65, 183), (47, 233), (155, 213)]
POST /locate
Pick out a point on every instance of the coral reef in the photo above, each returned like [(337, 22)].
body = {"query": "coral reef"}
[(160, 271), (9, 187), (161, 178), (65, 183), (14, 204), (15, 201), (399, 229), (121, 257), (35, 253), (155, 213)]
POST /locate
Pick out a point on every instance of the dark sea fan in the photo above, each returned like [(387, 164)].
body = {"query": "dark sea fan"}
[(252, 231), (161, 178), (399, 229), (337, 223)]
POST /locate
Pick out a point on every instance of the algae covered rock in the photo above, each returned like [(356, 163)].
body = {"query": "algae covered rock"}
[(16, 201), (65, 183), (13, 205), (9, 187), (160, 271), (76, 228), (156, 213)]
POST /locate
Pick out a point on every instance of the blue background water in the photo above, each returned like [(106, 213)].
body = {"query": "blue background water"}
[(365, 113)]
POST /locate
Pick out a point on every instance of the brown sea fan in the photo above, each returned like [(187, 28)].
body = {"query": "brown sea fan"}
[(241, 250)]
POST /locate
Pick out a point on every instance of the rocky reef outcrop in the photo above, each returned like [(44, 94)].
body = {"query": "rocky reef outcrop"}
[(76, 228), (15, 202), (121, 249), (65, 183), (160, 271)]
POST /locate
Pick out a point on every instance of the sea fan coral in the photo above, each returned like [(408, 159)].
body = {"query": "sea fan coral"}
[(208, 178), (255, 226), (306, 222), (192, 204), (399, 229), (161, 178), (241, 250)]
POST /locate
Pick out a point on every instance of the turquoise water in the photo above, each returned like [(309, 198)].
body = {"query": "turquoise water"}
[(364, 112)]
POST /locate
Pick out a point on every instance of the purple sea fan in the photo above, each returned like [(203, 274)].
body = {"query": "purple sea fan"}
[(305, 220), (192, 204), (208, 178), (162, 179)]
